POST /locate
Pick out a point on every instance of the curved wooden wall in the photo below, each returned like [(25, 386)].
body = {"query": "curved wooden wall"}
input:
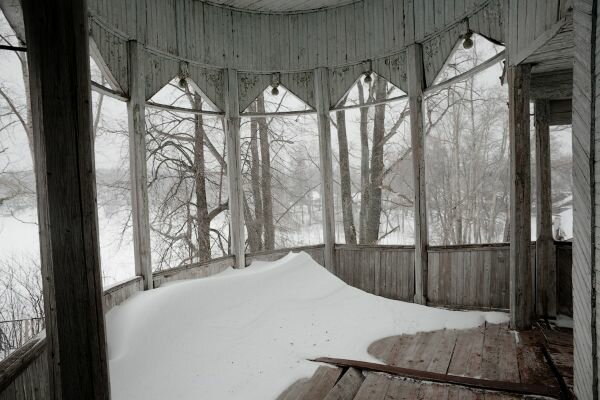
[(250, 41), (198, 40)]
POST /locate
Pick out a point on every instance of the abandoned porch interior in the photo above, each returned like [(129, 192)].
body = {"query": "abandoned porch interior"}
[(231, 51)]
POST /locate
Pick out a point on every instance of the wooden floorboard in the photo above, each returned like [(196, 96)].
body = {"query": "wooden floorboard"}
[(444, 351), (347, 386), (403, 390), (492, 348), (489, 362), (316, 387), (530, 360), (324, 380), (373, 388), (466, 358), (559, 345)]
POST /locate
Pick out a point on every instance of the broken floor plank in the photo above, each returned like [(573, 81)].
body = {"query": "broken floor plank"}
[(509, 387)]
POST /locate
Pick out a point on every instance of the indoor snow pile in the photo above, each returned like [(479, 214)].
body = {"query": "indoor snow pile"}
[(246, 334)]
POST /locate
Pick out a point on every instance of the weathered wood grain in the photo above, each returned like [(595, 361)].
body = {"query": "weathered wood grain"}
[(564, 277), (326, 164), (585, 112), (24, 373), (347, 386), (521, 287), (193, 271), (212, 35), (234, 168), (118, 293), (66, 191), (545, 263), (137, 164), (315, 251)]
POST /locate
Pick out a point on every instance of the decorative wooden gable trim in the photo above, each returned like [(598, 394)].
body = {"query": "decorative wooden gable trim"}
[(393, 69), (210, 82), (250, 86), (342, 79), (438, 49), (301, 84), (110, 53), (159, 71), (489, 21)]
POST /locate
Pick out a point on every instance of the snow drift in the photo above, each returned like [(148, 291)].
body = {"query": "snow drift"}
[(246, 334)]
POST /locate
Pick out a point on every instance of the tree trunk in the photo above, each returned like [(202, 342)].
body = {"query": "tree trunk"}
[(203, 220), (257, 224), (28, 117), (267, 196), (376, 173), (345, 181), (364, 165)]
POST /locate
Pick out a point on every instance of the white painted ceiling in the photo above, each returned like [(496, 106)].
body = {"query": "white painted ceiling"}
[(280, 5)]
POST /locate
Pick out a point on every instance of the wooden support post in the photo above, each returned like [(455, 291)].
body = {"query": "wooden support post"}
[(59, 78), (137, 164), (326, 164), (415, 97), (234, 169), (521, 293), (545, 263)]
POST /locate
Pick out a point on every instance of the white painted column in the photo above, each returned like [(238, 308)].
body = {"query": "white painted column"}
[(234, 169), (416, 85), (326, 164), (137, 164)]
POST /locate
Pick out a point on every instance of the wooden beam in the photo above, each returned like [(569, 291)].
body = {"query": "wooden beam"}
[(136, 111), (326, 164), (166, 107), (106, 91), (59, 78), (552, 85), (521, 293), (416, 85), (545, 264), (466, 75), (234, 169), (540, 41), (561, 112)]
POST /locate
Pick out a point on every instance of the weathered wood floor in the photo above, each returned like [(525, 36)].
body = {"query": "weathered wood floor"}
[(491, 353)]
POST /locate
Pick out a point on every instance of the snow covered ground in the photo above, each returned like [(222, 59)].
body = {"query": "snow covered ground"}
[(247, 334)]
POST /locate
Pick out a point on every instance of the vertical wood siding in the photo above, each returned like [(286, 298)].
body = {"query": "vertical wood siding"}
[(386, 271), (225, 37), (469, 276), (584, 226), (193, 271), (349, 39), (529, 19), (316, 252)]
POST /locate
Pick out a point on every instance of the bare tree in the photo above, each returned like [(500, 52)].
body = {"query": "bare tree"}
[(186, 154)]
